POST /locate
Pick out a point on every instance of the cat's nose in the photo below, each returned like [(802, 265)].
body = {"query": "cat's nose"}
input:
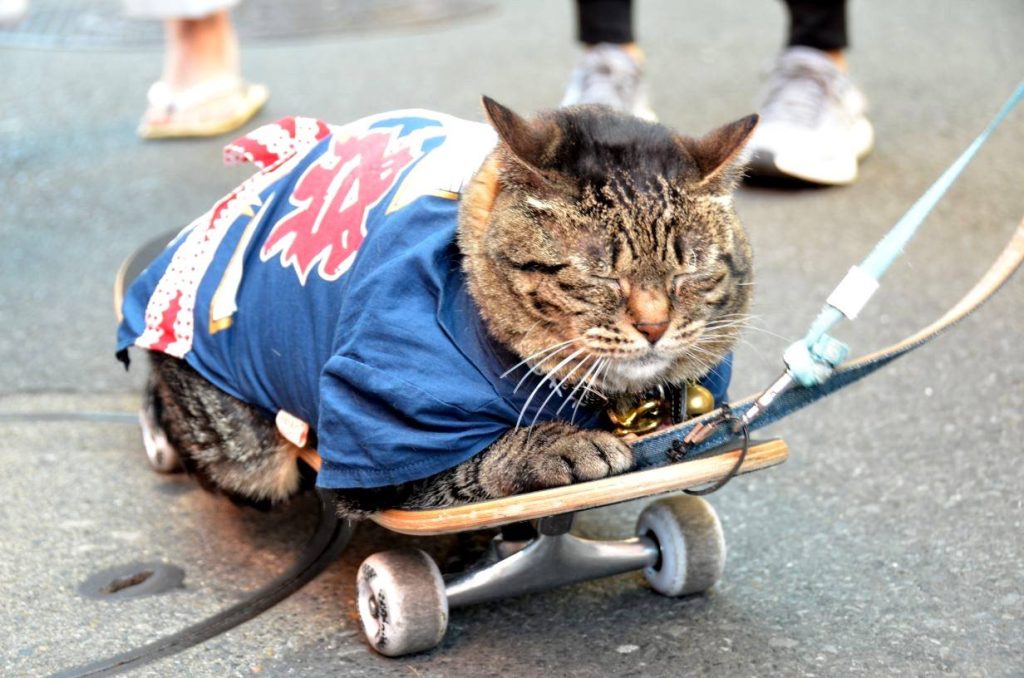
[(648, 311), (653, 331)]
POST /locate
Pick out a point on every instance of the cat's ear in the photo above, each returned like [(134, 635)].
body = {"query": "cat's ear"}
[(531, 142), (718, 153)]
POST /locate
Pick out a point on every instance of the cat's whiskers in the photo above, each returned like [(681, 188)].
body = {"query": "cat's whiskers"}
[(587, 388), (730, 319), (726, 324), (769, 333), (547, 378), (533, 368), (531, 357), (557, 389), (601, 375), (531, 328), (583, 379)]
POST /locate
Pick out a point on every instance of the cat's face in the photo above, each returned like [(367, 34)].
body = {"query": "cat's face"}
[(607, 248)]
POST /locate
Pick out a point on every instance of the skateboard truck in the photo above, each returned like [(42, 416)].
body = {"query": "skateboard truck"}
[(554, 558)]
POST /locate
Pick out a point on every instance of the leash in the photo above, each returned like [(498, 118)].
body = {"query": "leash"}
[(328, 541), (814, 364)]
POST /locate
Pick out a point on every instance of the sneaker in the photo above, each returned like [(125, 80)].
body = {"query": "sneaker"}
[(607, 74), (813, 124)]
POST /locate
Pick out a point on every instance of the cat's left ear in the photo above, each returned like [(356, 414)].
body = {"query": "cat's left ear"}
[(718, 154), (531, 142)]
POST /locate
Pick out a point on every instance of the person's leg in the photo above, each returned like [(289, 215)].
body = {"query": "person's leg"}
[(813, 123), (605, 21), (200, 50), (821, 25), (610, 72), (201, 92)]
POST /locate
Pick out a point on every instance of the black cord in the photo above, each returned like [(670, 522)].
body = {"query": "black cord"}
[(330, 539), (728, 418)]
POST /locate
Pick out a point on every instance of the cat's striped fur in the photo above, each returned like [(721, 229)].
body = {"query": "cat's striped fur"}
[(601, 246)]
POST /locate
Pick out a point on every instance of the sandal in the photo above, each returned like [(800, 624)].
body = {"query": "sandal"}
[(205, 110)]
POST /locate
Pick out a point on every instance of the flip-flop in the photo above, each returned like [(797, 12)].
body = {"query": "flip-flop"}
[(205, 110)]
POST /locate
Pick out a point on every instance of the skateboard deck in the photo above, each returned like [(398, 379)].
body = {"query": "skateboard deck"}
[(705, 469), (135, 263), (576, 497)]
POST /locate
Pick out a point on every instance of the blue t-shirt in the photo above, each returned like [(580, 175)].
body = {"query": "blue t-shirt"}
[(330, 286)]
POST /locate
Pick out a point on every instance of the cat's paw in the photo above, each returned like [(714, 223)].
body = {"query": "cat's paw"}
[(576, 456)]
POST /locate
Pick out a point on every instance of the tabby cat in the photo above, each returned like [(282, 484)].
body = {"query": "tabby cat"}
[(596, 254)]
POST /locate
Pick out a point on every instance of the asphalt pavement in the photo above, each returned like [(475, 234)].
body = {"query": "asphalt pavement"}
[(889, 544)]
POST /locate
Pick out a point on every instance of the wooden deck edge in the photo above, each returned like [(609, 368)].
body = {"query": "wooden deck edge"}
[(581, 496)]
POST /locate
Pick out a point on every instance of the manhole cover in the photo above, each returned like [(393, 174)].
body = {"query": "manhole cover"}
[(133, 581), (101, 24)]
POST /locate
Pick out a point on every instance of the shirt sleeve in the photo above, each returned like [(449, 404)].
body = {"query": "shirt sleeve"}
[(375, 428)]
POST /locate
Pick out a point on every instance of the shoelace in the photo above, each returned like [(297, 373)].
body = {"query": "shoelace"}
[(606, 71), (798, 93)]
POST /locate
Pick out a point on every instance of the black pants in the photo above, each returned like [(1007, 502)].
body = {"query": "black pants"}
[(812, 23)]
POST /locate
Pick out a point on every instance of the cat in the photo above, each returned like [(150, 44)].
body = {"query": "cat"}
[(592, 254)]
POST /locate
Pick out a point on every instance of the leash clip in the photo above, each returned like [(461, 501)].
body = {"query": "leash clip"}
[(740, 424), (811, 361)]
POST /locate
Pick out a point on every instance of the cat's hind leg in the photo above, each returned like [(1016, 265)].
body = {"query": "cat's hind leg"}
[(230, 446)]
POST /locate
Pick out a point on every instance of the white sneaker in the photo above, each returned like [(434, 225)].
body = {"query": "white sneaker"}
[(813, 124), (607, 74)]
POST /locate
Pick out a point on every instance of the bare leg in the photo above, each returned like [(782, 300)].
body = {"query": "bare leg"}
[(201, 92), (200, 50)]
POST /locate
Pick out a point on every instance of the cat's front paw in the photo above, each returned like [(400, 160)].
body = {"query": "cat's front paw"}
[(576, 456)]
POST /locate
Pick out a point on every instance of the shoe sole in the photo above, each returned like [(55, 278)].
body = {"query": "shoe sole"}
[(766, 164), (254, 99)]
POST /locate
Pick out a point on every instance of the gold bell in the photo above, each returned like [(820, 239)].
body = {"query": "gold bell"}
[(637, 418), (698, 400)]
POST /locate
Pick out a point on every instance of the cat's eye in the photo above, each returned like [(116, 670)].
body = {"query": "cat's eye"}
[(537, 267), (682, 278), (703, 281)]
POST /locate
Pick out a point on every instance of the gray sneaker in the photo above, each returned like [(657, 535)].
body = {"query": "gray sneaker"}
[(813, 123), (607, 74)]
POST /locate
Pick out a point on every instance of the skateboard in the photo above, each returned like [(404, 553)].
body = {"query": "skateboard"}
[(403, 598)]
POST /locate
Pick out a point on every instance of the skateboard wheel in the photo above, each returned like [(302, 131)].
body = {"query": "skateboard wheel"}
[(162, 456), (690, 541), (402, 603)]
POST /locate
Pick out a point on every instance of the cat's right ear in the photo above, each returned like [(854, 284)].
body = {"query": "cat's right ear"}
[(531, 143)]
